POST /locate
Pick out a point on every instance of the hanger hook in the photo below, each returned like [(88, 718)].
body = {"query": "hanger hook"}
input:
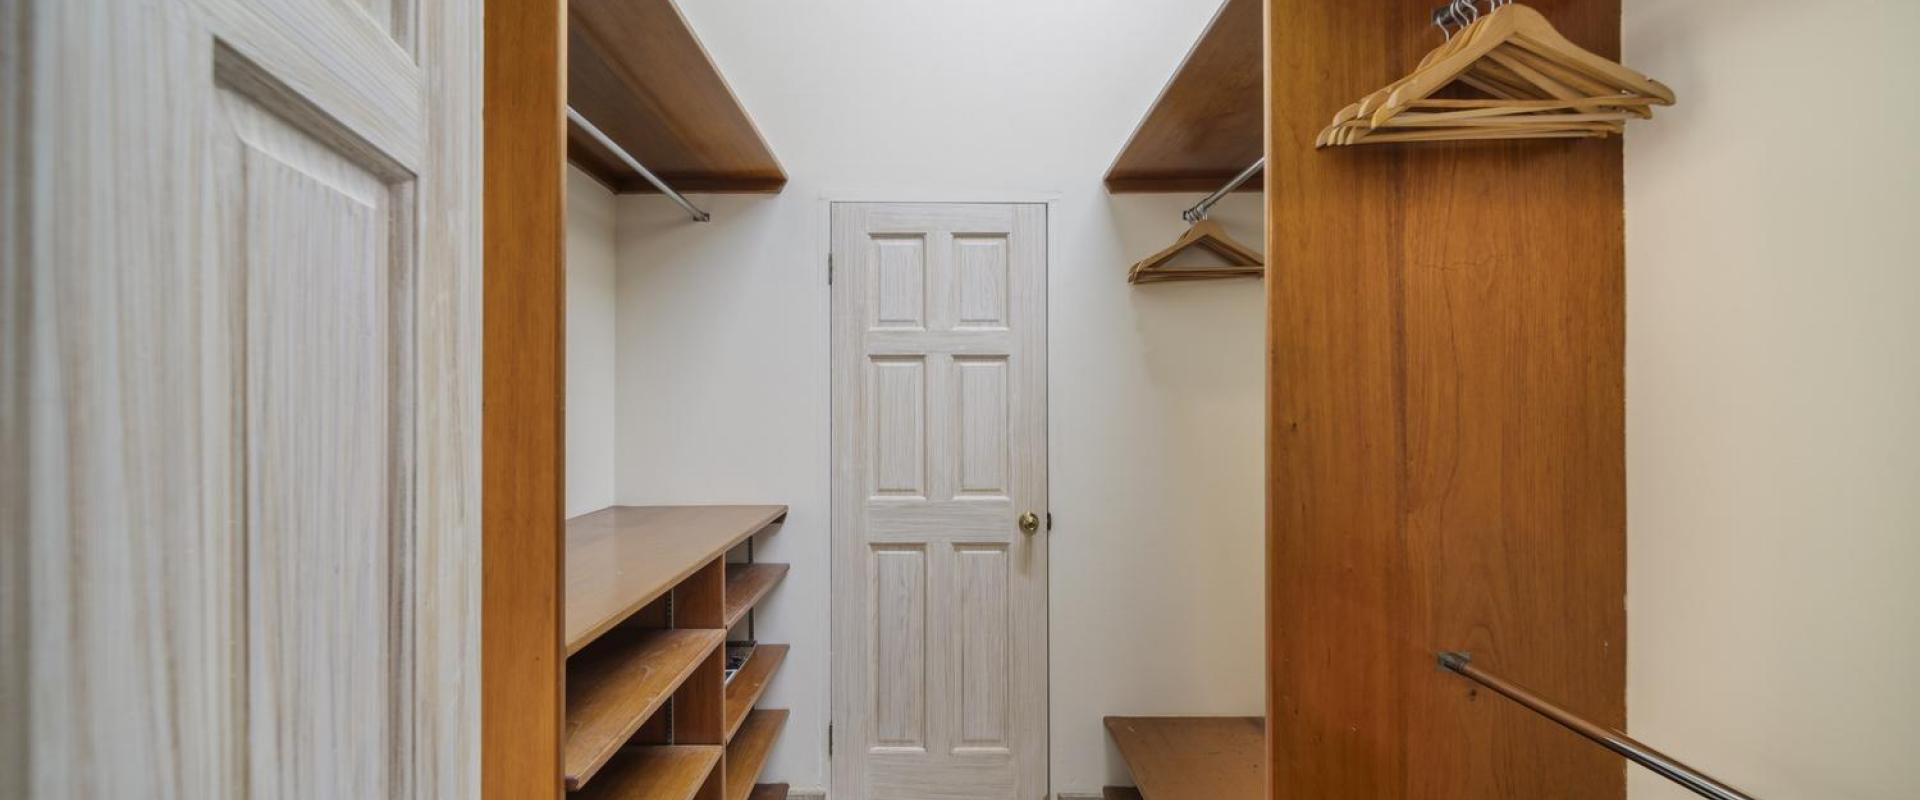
[(1440, 17)]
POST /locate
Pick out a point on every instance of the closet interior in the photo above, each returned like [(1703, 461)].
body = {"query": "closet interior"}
[(1202, 134)]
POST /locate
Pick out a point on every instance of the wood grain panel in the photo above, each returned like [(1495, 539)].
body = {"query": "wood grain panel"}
[(523, 436), (640, 75), (1205, 127), (1192, 758), (1445, 432)]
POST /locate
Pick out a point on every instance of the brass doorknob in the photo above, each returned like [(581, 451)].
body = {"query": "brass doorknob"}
[(1029, 523)]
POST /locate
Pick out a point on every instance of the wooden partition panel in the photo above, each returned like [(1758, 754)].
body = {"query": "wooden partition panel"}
[(522, 667), (1445, 432)]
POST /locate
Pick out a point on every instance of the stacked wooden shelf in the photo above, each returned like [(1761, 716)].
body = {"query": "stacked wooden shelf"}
[(1191, 758), (650, 600)]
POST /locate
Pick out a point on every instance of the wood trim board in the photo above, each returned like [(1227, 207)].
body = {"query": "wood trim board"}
[(523, 425)]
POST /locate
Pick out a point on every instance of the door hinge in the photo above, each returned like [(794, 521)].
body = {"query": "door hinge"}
[(829, 740), (829, 269), (1049, 520)]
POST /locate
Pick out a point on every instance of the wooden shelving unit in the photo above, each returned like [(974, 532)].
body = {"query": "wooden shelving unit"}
[(747, 752), (613, 688), (1191, 758), (649, 712)]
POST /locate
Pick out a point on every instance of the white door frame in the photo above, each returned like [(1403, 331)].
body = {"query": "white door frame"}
[(823, 244)]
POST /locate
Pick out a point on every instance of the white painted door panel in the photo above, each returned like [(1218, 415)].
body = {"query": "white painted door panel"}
[(241, 475), (939, 609)]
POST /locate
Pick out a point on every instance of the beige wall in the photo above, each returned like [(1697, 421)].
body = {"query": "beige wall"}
[(590, 341), (1773, 395)]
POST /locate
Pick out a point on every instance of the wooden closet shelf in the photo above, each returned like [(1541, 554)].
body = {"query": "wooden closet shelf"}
[(751, 682), (666, 772), (747, 753), (769, 791), (616, 685), (622, 558), (637, 72), (746, 584), (1193, 758), (1206, 125)]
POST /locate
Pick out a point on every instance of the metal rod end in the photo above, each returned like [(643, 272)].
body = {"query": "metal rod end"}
[(1453, 661)]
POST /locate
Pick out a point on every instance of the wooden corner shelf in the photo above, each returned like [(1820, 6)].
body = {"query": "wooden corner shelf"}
[(665, 772), (614, 686), (1207, 124), (747, 753), (1193, 758), (750, 682), (622, 558), (638, 73), (746, 584)]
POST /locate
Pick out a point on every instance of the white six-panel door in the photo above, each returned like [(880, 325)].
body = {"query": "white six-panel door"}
[(241, 478), (939, 448)]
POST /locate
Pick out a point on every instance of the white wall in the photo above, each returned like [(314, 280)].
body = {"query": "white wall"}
[(590, 345), (1773, 395), (1156, 392)]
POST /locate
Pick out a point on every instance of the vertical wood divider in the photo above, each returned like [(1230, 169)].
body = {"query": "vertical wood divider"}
[(1445, 431), (699, 705), (522, 663)]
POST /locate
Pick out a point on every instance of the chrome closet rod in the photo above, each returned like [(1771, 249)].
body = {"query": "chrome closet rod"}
[(635, 165), (1199, 210), (1664, 765)]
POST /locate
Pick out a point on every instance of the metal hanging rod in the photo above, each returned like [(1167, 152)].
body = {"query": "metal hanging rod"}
[(635, 165), (1666, 766), (1199, 210)]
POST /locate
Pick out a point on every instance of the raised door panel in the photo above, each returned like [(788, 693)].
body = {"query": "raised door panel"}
[(899, 669), (327, 460)]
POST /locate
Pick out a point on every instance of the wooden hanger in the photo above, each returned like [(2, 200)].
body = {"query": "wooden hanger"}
[(1242, 261), (1538, 85)]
